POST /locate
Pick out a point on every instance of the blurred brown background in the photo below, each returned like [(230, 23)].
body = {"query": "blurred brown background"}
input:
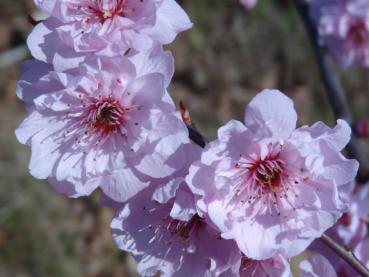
[(221, 63)]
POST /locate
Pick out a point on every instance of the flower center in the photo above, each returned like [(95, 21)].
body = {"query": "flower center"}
[(184, 229), (358, 33), (107, 14), (167, 231), (268, 173), (345, 219), (264, 174), (270, 176), (101, 10), (246, 264), (107, 115)]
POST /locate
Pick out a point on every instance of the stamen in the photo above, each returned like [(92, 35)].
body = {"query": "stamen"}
[(102, 10), (268, 180), (168, 230), (106, 115)]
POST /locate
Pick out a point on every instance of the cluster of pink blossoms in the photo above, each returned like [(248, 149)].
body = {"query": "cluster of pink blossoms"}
[(344, 27), (100, 117)]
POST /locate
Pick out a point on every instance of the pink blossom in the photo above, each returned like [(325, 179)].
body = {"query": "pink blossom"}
[(269, 186), (107, 123), (248, 3), (344, 27), (167, 236), (109, 27)]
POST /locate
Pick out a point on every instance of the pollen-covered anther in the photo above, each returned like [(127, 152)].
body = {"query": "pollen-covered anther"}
[(107, 14)]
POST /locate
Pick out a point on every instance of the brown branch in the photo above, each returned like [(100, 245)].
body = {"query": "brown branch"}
[(345, 254), (335, 92), (194, 134)]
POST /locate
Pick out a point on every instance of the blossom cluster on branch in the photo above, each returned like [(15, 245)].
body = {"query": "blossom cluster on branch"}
[(344, 28), (100, 118)]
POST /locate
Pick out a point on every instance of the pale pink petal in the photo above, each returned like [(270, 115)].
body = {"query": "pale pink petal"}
[(272, 114)]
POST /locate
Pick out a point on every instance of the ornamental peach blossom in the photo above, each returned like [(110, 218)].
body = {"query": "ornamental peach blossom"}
[(344, 28), (108, 27), (107, 124), (269, 186), (166, 235)]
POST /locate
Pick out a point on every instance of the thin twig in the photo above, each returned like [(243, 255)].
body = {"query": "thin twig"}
[(196, 137), (345, 254), (194, 134), (339, 103), (335, 92)]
